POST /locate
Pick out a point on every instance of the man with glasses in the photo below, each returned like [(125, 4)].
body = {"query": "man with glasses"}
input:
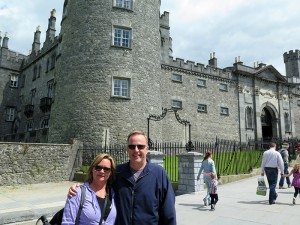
[(143, 191)]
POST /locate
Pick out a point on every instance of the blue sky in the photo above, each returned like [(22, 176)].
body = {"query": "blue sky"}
[(255, 30)]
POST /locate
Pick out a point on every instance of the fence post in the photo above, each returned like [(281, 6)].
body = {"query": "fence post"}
[(188, 167), (156, 157)]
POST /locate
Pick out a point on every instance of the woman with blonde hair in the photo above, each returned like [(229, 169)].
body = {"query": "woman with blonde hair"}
[(99, 205)]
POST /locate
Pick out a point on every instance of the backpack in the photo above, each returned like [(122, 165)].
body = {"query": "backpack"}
[(57, 218)]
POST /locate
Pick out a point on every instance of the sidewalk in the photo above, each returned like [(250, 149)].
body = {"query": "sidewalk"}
[(238, 204)]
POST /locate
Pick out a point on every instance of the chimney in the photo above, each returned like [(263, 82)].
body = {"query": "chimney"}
[(36, 42), (5, 41), (0, 39), (50, 33), (213, 60)]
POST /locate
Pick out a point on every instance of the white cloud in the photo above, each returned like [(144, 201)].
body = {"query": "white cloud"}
[(256, 30)]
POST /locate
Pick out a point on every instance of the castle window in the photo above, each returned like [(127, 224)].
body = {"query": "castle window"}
[(121, 87), (298, 102), (202, 108), (126, 4), (122, 37), (10, 113), (223, 87), (249, 118), (50, 85), (53, 61), (32, 96), (22, 80), (201, 83), (34, 73), (29, 125), (287, 123), (14, 80), (176, 104), (177, 78), (40, 70), (224, 111), (45, 122), (47, 65)]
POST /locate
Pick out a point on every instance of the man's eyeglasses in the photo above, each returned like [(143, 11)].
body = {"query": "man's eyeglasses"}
[(105, 169), (140, 147)]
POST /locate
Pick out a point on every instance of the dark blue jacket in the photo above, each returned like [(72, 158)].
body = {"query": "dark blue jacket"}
[(148, 201)]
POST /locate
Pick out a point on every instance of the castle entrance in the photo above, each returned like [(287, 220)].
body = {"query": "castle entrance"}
[(267, 123)]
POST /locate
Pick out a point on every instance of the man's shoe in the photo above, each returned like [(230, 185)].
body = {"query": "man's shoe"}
[(271, 203), (280, 187), (294, 201)]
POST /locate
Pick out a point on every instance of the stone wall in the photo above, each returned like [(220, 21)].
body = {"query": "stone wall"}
[(30, 163)]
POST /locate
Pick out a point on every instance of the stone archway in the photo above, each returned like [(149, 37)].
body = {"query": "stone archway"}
[(268, 123)]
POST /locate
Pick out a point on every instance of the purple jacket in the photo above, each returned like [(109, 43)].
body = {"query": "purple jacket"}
[(90, 213)]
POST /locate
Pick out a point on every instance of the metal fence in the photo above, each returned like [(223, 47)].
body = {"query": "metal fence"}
[(230, 157)]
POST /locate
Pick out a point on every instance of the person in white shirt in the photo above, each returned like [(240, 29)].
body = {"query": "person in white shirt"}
[(271, 161)]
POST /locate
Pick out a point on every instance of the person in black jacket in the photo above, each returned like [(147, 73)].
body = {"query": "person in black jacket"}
[(143, 191), (285, 157)]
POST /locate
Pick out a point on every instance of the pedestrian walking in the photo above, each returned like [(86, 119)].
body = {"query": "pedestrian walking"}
[(285, 157), (271, 161), (213, 191), (208, 167), (296, 180)]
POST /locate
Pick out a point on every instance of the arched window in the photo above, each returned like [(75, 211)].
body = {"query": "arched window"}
[(287, 122), (249, 117)]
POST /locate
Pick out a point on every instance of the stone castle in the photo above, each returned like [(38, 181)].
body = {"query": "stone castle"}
[(111, 68)]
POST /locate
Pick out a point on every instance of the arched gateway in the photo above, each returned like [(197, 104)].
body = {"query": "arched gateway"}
[(268, 123)]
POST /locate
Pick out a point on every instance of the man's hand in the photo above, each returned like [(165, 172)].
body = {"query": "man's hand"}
[(262, 174), (72, 190)]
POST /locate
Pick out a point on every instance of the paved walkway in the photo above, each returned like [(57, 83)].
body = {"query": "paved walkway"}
[(238, 204)]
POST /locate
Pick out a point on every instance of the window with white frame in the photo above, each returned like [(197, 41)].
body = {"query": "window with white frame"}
[(224, 111), (121, 87), (176, 104), (126, 4), (122, 37), (176, 77), (14, 80), (201, 83), (249, 117), (287, 122), (202, 108), (29, 125), (223, 87), (10, 113), (45, 122)]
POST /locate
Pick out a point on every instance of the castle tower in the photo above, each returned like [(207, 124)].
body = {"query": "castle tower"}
[(107, 74), (292, 65), (166, 40)]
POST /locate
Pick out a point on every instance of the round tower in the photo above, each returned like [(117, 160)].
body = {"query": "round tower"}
[(107, 73)]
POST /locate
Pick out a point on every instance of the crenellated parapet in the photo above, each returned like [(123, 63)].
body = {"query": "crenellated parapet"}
[(164, 20), (291, 55), (190, 67), (11, 59)]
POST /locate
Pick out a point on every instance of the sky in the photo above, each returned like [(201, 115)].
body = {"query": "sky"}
[(256, 30)]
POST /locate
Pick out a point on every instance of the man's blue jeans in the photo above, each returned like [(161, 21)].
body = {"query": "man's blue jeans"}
[(286, 171), (272, 176)]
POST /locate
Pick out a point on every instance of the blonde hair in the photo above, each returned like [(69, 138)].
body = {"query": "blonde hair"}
[(296, 168), (213, 176), (96, 161)]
